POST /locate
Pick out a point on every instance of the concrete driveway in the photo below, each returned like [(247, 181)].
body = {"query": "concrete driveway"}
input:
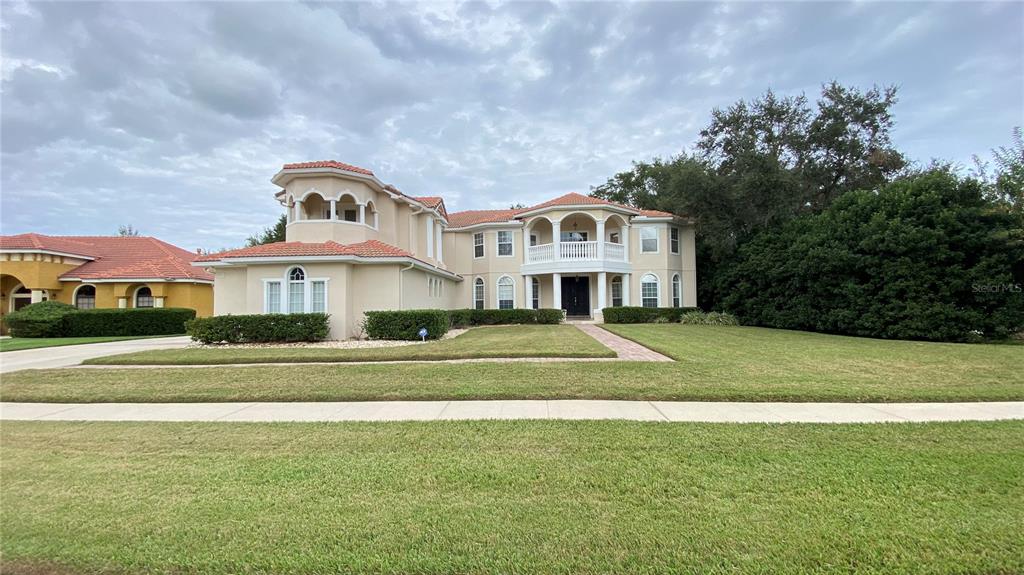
[(68, 355)]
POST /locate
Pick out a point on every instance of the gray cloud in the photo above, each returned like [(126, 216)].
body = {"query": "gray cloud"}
[(173, 116)]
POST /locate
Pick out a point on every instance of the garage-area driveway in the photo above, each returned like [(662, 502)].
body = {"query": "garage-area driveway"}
[(68, 355)]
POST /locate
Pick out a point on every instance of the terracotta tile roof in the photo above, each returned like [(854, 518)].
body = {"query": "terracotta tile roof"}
[(369, 248), (436, 202), (327, 164), (575, 199), (115, 257), (656, 214), (473, 217)]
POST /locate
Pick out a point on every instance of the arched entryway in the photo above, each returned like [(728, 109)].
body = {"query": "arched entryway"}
[(13, 296)]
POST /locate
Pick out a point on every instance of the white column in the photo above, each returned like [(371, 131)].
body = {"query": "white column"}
[(37, 295), (556, 240), (556, 291), (528, 285), (526, 245), (362, 214), (600, 241), (334, 210), (625, 243), (626, 278), (298, 210), (440, 242), (602, 291), (158, 301), (122, 302)]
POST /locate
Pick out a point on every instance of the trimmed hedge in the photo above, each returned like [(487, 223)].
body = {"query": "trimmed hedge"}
[(406, 324), (56, 319), (259, 328), (709, 318), (43, 319), (632, 314), (471, 317), (127, 322)]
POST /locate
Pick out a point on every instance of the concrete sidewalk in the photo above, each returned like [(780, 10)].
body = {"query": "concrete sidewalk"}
[(68, 355), (735, 412)]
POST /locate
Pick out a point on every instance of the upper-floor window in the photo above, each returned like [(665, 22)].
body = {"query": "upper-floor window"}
[(677, 291), (478, 245), (144, 297), (504, 244), (574, 236), (351, 215), (649, 290), (506, 293), (533, 239), (674, 240), (478, 293), (535, 293), (615, 238), (617, 291), (649, 240)]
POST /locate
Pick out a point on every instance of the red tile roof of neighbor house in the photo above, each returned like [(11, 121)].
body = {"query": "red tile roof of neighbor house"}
[(115, 257), (327, 164), (369, 249)]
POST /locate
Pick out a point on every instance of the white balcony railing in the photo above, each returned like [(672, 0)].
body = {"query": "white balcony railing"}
[(575, 251)]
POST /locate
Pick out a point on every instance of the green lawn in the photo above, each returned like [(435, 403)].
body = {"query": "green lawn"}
[(484, 342), (512, 497), (714, 364), (19, 343)]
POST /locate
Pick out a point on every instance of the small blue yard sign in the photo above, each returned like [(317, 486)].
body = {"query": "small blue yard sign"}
[(423, 333)]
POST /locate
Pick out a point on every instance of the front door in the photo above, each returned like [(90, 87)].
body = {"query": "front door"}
[(576, 295)]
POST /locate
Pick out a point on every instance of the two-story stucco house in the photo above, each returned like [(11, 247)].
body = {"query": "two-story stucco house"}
[(355, 244)]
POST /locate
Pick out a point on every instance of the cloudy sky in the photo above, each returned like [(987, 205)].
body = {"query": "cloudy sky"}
[(173, 117)]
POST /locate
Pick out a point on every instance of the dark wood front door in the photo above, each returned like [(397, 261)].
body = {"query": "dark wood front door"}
[(576, 295)]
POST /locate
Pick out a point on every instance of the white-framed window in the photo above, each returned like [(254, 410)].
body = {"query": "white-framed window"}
[(504, 244), (506, 292), (430, 237), (649, 240), (478, 245), (674, 240), (535, 293), (272, 297), (296, 290), (649, 292), (478, 293), (85, 297), (617, 291), (144, 297), (533, 239), (677, 291)]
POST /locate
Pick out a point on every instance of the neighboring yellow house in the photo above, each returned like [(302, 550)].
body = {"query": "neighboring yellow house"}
[(100, 272)]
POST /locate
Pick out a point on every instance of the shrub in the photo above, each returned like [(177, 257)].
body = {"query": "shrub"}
[(471, 317), (43, 319), (259, 328), (630, 314), (127, 322), (709, 318), (406, 324)]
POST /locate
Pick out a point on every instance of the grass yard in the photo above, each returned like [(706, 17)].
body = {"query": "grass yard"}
[(20, 343), (714, 364), (512, 497), (484, 342)]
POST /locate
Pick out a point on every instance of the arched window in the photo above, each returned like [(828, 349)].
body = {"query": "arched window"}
[(617, 291), (649, 292), (506, 292), (677, 291), (535, 293), (85, 297), (143, 297), (478, 293), (296, 290)]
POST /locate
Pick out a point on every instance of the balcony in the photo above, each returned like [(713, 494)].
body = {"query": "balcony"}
[(575, 252)]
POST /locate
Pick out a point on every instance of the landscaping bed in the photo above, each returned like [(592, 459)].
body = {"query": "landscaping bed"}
[(512, 497)]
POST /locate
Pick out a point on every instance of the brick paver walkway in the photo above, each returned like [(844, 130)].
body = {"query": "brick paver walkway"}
[(627, 350)]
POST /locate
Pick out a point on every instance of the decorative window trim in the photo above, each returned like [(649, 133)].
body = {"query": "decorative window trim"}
[(535, 292), (657, 240), (677, 291), (616, 281), (482, 300), (497, 292), (511, 244), (675, 240), (657, 285), (135, 297), (74, 296), (285, 282), (482, 245)]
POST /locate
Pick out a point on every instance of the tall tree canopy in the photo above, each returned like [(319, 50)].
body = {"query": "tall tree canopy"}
[(269, 235)]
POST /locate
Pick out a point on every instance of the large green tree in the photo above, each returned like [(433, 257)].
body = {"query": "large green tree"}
[(275, 233)]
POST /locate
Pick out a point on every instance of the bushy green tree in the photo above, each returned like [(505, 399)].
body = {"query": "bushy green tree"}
[(925, 257), (273, 234)]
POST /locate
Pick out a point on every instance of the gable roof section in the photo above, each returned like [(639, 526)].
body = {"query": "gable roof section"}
[(114, 257), (435, 202), (576, 199), (369, 248)]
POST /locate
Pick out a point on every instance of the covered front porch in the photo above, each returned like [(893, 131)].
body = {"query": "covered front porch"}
[(580, 295)]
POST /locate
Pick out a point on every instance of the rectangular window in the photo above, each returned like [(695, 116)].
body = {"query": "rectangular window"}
[(674, 241), (649, 294), (318, 297), (649, 240), (504, 243), (535, 296), (478, 295), (533, 239), (272, 299), (614, 238), (351, 216), (574, 236), (617, 293), (478, 245), (85, 302), (296, 297), (505, 295)]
